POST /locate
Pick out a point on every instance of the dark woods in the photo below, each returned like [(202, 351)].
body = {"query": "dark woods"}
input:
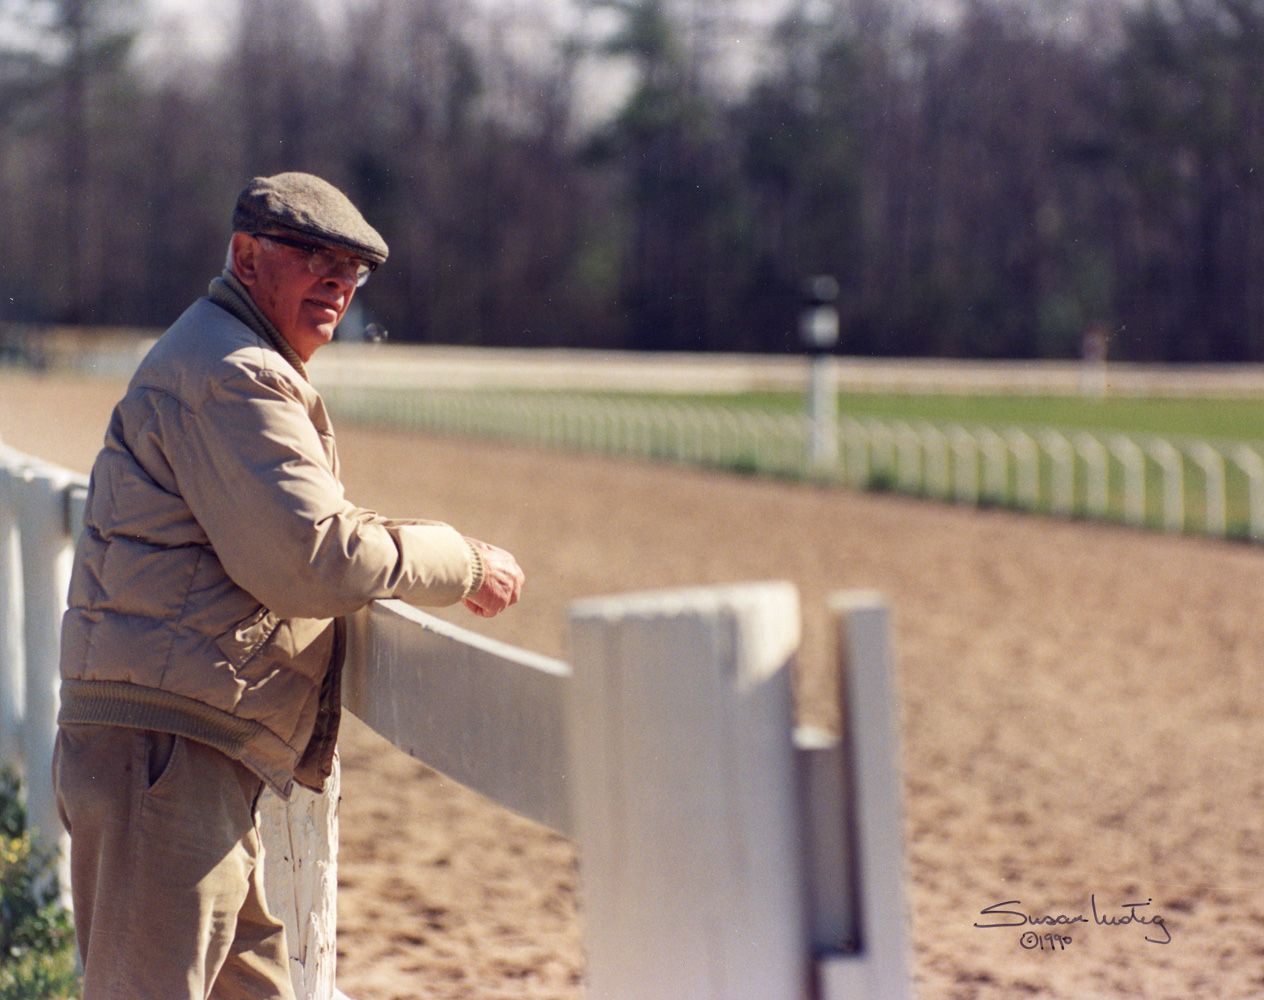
[(992, 188)]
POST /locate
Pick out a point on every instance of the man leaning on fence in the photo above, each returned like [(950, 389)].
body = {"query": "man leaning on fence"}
[(201, 652)]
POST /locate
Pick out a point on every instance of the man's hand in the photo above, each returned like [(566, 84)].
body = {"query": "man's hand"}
[(502, 581)]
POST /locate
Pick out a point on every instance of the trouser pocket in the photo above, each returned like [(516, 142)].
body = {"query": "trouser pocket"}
[(160, 753)]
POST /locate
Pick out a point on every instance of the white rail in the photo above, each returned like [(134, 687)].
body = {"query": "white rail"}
[(410, 675), (722, 853)]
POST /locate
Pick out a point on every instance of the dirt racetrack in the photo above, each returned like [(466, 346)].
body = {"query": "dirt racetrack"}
[(1082, 708)]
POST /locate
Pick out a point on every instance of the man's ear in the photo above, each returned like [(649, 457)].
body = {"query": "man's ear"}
[(245, 259)]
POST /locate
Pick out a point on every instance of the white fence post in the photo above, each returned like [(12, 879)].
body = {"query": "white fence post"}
[(938, 483), (867, 910), (908, 458), (300, 842), (882, 451), (684, 786), (1133, 460), (996, 465), (965, 461), (47, 549), (1097, 478), (1027, 467), (1062, 488), (1212, 464), (1173, 466), (856, 444), (1252, 466), (12, 646)]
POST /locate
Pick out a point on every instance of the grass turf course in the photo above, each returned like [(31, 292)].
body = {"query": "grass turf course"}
[(1212, 418)]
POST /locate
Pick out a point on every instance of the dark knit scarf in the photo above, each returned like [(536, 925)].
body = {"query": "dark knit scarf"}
[(230, 294)]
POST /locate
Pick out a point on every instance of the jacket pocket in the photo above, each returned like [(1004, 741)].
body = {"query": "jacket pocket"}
[(247, 637)]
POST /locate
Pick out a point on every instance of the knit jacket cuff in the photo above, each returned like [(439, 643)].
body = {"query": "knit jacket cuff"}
[(479, 569)]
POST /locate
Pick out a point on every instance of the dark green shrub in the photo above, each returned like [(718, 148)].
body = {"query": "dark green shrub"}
[(37, 951)]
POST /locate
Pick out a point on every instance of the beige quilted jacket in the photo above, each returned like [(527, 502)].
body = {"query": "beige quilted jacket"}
[(218, 550)]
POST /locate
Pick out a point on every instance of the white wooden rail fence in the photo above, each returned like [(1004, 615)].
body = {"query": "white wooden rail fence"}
[(724, 854), (1177, 484)]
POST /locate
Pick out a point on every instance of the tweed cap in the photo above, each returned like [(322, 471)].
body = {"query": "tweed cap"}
[(310, 208)]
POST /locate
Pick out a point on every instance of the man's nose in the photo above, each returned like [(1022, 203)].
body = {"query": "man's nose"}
[(342, 278)]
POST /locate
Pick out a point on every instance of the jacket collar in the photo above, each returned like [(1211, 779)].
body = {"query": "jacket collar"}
[(230, 294)]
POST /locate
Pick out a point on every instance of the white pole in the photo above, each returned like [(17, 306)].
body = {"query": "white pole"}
[(12, 648), (47, 550), (823, 418), (684, 787), (818, 329), (300, 842)]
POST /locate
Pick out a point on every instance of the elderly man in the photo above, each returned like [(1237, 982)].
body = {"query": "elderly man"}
[(201, 652)]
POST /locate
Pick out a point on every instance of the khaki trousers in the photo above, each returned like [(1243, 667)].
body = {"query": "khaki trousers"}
[(166, 869)]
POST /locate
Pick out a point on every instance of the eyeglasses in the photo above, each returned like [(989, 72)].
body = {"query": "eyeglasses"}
[(324, 262)]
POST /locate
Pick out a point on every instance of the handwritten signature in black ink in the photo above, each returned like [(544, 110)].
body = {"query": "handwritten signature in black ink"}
[(1135, 913)]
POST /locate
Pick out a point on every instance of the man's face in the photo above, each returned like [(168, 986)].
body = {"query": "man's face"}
[(304, 307)]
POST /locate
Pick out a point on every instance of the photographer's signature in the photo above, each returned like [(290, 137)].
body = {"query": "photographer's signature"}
[(1010, 914)]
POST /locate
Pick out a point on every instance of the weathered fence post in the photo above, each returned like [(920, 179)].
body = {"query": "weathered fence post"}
[(683, 778), (300, 840)]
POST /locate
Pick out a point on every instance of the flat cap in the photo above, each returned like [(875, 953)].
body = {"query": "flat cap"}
[(306, 206)]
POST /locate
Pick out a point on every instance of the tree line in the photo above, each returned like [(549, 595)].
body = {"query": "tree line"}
[(994, 186)]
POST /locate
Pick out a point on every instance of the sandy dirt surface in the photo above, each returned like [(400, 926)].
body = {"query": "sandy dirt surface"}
[(1082, 708)]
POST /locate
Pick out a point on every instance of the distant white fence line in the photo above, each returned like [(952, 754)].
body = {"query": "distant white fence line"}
[(586, 369), (723, 852), (116, 351), (1177, 484)]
